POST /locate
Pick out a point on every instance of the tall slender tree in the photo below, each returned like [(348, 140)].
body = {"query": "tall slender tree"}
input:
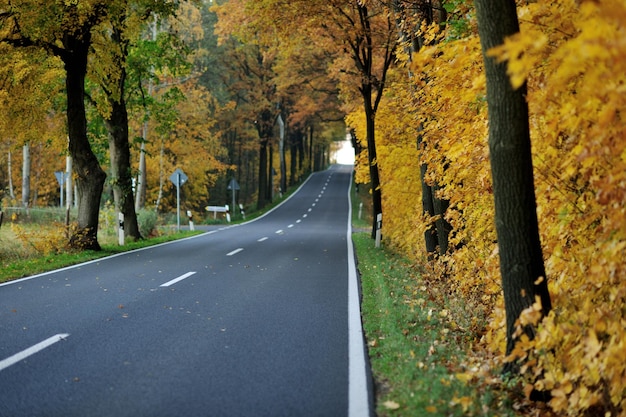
[(521, 259)]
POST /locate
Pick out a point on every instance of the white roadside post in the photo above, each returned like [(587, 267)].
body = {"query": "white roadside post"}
[(120, 228), (379, 226), (190, 215)]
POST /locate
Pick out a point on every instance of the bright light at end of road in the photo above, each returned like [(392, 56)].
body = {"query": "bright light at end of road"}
[(343, 153)]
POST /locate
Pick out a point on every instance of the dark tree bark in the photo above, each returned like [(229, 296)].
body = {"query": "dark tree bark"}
[(89, 175), (265, 129), (363, 52), (261, 198), (436, 235), (521, 259), (119, 146), (121, 175)]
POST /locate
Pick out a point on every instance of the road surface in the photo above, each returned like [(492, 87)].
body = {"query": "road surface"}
[(259, 319)]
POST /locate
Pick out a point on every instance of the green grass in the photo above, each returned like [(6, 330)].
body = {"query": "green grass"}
[(417, 350), (22, 265), (412, 347), (18, 260), (416, 341)]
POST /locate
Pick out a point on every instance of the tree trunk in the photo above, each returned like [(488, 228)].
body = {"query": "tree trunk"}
[(281, 155), (430, 235), (25, 175), (161, 175), (293, 152), (521, 259), (10, 175), (261, 200), (140, 190), (121, 175), (436, 235), (89, 175), (377, 204), (69, 187)]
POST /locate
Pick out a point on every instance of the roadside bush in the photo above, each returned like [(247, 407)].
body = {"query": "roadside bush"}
[(43, 240), (147, 220)]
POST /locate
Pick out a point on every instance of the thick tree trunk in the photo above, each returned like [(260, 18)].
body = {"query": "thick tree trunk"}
[(521, 260), (121, 174), (89, 175)]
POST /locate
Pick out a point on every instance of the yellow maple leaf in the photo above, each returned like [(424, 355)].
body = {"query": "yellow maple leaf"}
[(391, 405)]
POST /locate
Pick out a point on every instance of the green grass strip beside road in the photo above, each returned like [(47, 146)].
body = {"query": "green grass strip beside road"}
[(415, 348), (35, 265)]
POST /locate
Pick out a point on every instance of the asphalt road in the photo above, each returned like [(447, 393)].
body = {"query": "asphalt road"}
[(259, 319)]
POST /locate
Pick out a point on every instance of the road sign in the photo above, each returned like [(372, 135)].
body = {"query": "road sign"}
[(178, 177), (62, 177), (233, 185)]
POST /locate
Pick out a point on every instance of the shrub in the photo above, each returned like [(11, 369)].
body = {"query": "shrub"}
[(147, 220)]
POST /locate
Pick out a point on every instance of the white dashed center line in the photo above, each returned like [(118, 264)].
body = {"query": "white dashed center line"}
[(180, 278), (231, 253), (11, 360)]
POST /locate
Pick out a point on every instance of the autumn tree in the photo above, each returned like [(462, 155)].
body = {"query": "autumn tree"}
[(65, 30), (411, 18), (521, 259), (254, 62), (362, 37), (367, 34), (31, 83), (114, 42)]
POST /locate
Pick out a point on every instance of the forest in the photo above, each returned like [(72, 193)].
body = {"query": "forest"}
[(491, 136)]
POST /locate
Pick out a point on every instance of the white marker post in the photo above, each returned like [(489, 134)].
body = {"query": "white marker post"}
[(120, 229), (379, 226), (190, 215)]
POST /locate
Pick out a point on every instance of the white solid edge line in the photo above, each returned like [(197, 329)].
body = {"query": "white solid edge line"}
[(180, 278), (12, 360), (358, 397)]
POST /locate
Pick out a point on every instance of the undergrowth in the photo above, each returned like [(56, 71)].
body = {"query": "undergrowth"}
[(418, 340)]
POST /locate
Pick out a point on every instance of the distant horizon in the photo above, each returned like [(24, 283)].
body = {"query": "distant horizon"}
[(344, 154)]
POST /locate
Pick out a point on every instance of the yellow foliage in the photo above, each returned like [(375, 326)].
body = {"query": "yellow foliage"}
[(572, 54), (44, 241)]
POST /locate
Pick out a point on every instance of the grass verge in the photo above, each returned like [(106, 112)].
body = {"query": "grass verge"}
[(417, 340), (15, 269), (413, 348)]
